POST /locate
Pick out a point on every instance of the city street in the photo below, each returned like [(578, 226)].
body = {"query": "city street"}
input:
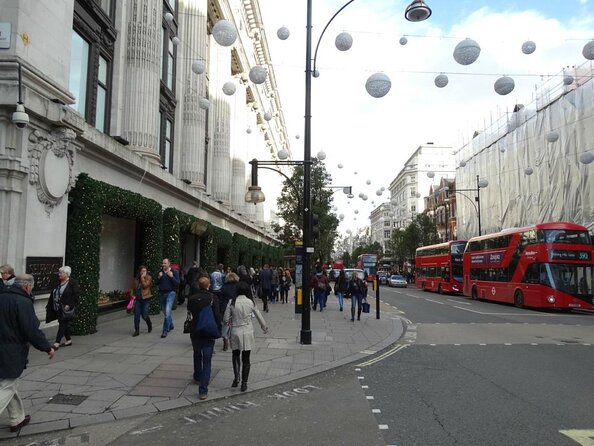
[(463, 373)]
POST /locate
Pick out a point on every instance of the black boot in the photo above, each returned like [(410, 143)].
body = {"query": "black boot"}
[(359, 313), (236, 368), (136, 333), (245, 373), (149, 325), (352, 314)]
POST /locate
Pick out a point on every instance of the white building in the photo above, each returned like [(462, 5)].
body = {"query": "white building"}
[(137, 96), (423, 169), (381, 223)]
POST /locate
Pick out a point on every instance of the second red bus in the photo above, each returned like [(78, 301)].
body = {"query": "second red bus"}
[(439, 267)]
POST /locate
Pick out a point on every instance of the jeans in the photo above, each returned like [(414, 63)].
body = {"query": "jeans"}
[(203, 349), (11, 401), (320, 297), (167, 299), (340, 296), (358, 298), (141, 308), (274, 293)]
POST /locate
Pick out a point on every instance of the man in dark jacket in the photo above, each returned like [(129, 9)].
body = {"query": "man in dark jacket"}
[(265, 285), (203, 346), (168, 281), (19, 326)]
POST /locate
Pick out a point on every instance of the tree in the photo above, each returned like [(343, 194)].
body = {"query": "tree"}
[(290, 209), (421, 232)]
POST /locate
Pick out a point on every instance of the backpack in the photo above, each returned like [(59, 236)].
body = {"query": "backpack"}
[(321, 286), (206, 325)]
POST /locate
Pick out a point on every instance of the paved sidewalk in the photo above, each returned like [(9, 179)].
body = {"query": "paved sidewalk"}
[(111, 375)]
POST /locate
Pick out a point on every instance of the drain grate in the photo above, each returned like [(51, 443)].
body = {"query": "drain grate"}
[(70, 400)]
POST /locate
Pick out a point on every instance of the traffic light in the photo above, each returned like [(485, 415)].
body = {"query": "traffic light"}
[(315, 226)]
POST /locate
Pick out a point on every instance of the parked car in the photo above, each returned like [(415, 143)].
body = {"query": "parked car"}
[(398, 281), (382, 277)]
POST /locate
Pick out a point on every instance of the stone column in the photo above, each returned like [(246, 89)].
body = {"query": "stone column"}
[(192, 134), (140, 119), (220, 114)]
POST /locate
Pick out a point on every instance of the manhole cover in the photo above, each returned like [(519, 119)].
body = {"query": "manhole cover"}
[(71, 400)]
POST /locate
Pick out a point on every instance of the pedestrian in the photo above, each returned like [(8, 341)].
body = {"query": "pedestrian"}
[(274, 284), (203, 346), (239, 314), (19, 327), (189, 284), (356, 290), (142, 291), (217, 279), (320, 284), (265, 277), (7, 273), (243, 274), (228, 292), (168, 281), (285, 286), (62, 304), (341, 286)]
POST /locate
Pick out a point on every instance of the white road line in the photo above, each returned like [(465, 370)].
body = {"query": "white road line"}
[(458, 302), (369, 397), (504, 314), (376, 411), (581, 436), (435, 301), (365, 387), (383, 427), (397, 348)]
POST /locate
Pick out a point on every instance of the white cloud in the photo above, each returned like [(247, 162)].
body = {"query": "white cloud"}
[(376, 136)]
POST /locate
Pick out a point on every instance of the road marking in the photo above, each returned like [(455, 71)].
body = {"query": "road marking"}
[(504, 314), (369, 397), (460, 303), (376, 411), (582, 436), (146, 431), (435, 301), (383, 426), (396, 349), (365, 387)]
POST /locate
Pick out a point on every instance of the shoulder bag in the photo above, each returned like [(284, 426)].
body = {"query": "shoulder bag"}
[(206, 325)]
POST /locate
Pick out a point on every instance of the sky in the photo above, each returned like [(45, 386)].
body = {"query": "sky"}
[(373, 137)]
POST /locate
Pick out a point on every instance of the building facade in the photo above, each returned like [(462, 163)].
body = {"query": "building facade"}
[(133, 105), (381, 223)]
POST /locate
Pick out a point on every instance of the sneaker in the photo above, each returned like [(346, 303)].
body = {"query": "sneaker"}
[(163, 335), (22, 424), (56, 345), (203, 396), (136, 333), (68, 343)]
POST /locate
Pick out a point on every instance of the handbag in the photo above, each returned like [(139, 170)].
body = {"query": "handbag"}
[(365, 306), (226, 332), (206, 325), (188, 323), (68, 315), (131, 303)]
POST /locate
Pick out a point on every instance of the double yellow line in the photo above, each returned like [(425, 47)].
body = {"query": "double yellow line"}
[(383, 356)]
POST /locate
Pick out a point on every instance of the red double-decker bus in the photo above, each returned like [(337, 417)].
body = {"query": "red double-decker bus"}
[(548, 265), (439, 267)]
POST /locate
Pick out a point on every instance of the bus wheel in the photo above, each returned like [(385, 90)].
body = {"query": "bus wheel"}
[(519, 299), (439, 290), (474, 294)]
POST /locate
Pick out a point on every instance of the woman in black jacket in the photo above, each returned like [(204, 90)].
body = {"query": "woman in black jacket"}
[(341, 287), (63, 300), (203, 346)]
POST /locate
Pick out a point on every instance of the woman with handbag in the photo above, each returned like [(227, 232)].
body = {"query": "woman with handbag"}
[(356, 290), (239, 316), (62, 305), (142, 291)]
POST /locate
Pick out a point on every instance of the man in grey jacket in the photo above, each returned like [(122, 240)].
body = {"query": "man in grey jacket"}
[(19, 327)]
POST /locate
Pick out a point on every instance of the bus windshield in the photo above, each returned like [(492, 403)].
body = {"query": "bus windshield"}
[(458, 248), (563, 236), (576, 280)]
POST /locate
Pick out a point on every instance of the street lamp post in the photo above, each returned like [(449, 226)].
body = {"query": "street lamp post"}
[(480, 184), (416, 12)]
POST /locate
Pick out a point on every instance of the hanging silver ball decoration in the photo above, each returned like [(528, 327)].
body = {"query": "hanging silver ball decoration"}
[(403, 41), (355, 172), (316, 73), (258, 74), (203, 103), (528, 47), (229, 88), (356, 211), (528, 171), (368, 182), (504, 85), (382, 188), (502, 149), (224, 33), (588, 51), (340, 165), (168, 17), (467, 52), (462, 163), (341, 217), (567, 79), (350, 196), (283, 33), (379, 192), (378, 85), (282, 154), (344, 42), (361, 195), (176, 41), (430, 174), (248, 130), (198, 67), (552, 136), (321, 155), (441, 80), (586, 157), (364, 198), (297, 136), (267, 116)]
